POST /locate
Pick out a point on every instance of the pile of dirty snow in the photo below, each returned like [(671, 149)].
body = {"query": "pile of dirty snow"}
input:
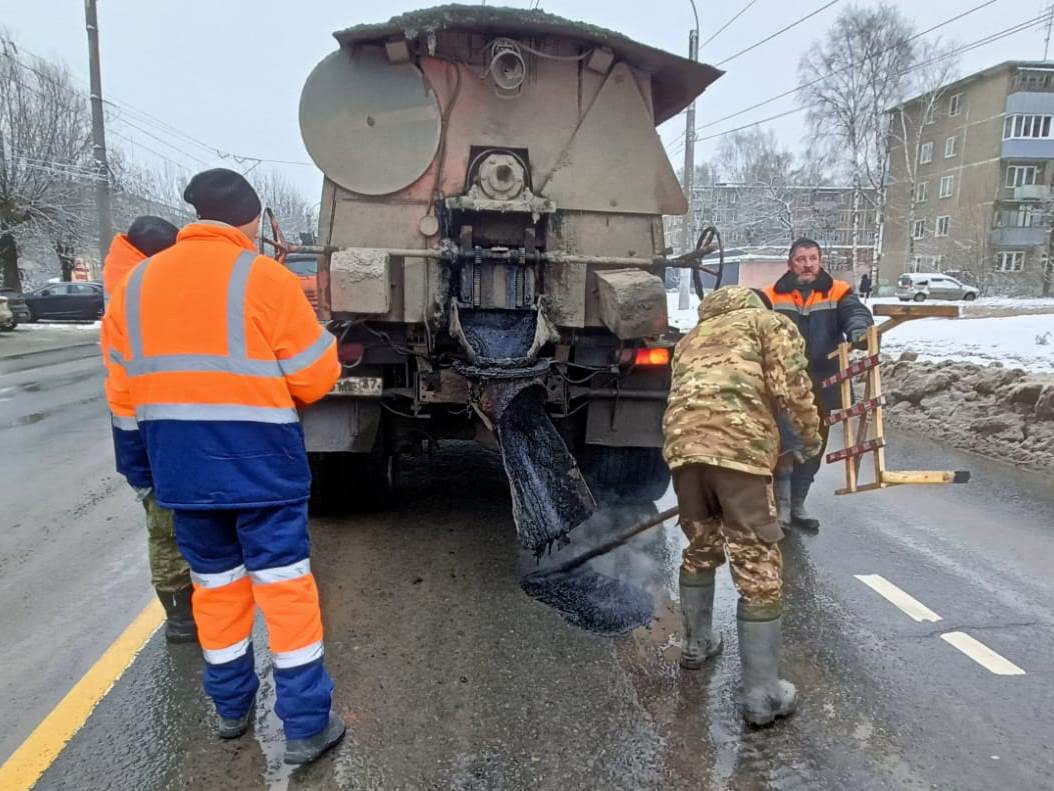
[(1006, 413)]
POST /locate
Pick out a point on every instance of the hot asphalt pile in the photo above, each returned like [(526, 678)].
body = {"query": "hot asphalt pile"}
[(1001, 412)]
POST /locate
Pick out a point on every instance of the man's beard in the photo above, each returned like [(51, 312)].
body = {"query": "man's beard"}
[(803, 282)]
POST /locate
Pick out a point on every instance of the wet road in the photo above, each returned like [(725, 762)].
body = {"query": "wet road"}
[(451, 678)]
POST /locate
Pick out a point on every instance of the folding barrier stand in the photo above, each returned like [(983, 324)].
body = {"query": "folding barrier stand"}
[(869, 436)]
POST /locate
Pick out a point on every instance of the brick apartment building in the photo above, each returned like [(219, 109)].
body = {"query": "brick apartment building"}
[(977, 199)]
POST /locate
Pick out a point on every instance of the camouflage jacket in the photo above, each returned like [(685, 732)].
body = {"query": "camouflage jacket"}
[(740, 367)]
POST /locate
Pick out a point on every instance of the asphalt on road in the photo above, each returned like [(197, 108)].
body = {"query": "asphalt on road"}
[(450, 677)]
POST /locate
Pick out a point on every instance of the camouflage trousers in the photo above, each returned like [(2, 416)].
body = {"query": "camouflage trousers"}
[(169, 571), (731, 514)]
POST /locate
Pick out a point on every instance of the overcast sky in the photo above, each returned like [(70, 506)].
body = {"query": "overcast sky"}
[(228, 73)]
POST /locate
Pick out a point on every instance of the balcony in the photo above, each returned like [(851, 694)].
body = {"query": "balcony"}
[(1019, 237), (1028, 148), (1032, 192)]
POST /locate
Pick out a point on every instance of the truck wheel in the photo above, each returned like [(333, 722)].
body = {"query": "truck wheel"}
[(351, 482), (624, 475), (920, 297)]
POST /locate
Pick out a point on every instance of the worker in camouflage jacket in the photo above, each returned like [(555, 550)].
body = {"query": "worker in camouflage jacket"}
[(732, 375)]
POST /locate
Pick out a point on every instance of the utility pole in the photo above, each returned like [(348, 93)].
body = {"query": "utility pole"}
[(98, 131), (689, 172), (1046, 38)]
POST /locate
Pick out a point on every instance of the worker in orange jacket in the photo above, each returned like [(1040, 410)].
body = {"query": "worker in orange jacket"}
[(169, 572), (214, 347)]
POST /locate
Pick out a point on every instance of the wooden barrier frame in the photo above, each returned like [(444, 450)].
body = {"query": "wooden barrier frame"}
[(869, 435)]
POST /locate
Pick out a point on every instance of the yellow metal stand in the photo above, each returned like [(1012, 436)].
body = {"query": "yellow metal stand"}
[(869, 436)]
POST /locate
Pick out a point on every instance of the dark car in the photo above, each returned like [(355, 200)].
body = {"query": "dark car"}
[(17, 302), (66, 301)]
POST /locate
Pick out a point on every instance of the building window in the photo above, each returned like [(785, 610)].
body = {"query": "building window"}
[(1030, 80), (1024, 217), (926, 153), (947, 186), (942, 225), (955, 105), (938, 263), (920, 192), (1021, 175), (1026, 126), (1010, 262), (951, 145), (930, 112), (918, 230)]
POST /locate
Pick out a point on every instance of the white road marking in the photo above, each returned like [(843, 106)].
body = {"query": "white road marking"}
[(905, 602), (982, 654)]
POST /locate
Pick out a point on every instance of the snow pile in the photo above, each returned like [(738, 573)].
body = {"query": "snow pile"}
[(1004, 413), (83, 326), (1010, 340)]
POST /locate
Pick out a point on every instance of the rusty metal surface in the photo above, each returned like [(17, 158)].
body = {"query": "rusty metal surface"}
[(676, 81)]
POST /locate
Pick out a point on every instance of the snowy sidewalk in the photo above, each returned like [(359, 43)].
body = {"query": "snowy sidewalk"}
[(1010, 340)]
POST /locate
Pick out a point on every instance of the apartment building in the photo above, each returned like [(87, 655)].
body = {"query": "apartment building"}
[(757, 218), (969, 181)]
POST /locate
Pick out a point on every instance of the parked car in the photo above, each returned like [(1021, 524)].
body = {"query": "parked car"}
[(305, 267), (66, 301), (17, 302), (920, 286), (7, 319)]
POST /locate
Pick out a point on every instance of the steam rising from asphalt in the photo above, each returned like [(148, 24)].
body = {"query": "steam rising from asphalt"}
[(614, 593)]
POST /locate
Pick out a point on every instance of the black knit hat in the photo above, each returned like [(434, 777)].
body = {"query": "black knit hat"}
[(221, 194), (150, 235)]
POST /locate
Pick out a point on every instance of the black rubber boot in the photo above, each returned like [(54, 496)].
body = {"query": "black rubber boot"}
[(179, 622), (232, 729), (764, 696), (799, 517), (697, 611), (304, 751)]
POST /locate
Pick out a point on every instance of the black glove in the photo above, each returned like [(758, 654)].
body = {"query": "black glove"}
[(859, 339)]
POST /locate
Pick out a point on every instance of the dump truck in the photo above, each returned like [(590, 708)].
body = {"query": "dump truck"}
[(491, 255)]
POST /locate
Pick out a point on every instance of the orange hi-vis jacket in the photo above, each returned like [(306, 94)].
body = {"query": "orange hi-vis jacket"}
[(119, 261), (212, 348)]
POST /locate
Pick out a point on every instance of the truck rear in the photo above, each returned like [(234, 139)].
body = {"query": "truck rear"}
[(492, 255)]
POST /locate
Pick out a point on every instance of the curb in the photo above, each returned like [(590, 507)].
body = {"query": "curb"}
[(23, 355)]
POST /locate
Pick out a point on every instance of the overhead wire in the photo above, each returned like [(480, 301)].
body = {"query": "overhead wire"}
[(727, 24), (779, 32)]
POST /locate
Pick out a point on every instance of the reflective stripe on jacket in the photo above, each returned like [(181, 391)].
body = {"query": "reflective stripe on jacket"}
[(828, 317), (129, 448), (212, 348)]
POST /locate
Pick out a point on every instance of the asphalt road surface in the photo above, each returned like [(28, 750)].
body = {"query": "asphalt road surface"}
[(920, 632)]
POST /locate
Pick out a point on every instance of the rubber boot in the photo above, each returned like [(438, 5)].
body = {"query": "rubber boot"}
[(799, 516), (304, 751), (783, 501), (697, 610), (764, 695), (179, 618), (232, 729)]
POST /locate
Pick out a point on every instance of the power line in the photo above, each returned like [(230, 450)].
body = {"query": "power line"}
[(779, 32), (998, 36), (723, 27)]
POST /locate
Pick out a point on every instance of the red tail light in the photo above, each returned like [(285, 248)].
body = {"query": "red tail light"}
[(657, 356), (350, 353)]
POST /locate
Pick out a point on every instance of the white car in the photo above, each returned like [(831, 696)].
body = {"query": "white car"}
[(920, 286), (7, 318)]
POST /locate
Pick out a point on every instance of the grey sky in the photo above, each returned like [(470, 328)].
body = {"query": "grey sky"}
[(228, 72)]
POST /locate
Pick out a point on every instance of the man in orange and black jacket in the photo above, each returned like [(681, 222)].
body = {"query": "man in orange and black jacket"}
[(827, 313)]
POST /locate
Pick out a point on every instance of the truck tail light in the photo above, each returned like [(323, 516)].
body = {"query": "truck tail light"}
[(657, 356), (350, 353)]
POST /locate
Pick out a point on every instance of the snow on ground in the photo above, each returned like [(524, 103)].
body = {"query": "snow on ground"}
[(73, 326), (1023, 304), (1010, 340)]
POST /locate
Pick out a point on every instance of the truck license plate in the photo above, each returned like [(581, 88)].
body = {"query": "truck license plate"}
[(361, 386)]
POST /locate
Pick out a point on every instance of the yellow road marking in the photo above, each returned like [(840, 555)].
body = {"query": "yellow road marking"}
[(25, 766)]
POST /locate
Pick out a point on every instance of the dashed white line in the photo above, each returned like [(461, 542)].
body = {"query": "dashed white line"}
[(905, 602), (982, 654)]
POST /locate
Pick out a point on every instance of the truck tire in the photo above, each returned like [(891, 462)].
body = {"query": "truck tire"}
[(343, 483), (624, 475)]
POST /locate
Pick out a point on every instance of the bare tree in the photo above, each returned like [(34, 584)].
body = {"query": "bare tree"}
[(45, 166), (850, 80), (908, 122), (295, 215)]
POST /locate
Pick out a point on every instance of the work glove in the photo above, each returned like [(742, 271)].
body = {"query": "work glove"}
[(859, 339)]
